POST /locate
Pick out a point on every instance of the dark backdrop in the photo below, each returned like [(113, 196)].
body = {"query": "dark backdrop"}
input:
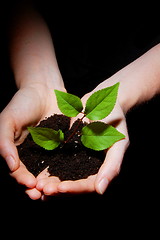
[(133, 194)]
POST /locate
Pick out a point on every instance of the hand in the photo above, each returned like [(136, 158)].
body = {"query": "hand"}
[(28, 106), (108, 170), (112, 163)]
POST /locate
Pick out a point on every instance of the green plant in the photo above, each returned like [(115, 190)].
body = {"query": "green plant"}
[(96, 135)]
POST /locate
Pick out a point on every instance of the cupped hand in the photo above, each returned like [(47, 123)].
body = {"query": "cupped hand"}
[(109, 169), (28, 106), (112, 162)]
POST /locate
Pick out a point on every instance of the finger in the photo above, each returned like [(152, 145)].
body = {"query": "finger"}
[(79, 186), (112, 163), (34, 194), (48, 185), (24, 177), (8, 149), (111, 166), (51, 188)]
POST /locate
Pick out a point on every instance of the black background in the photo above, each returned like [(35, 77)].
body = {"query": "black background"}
[(133, 195)]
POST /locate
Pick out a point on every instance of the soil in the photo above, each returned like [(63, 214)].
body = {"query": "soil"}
[(70, 161)]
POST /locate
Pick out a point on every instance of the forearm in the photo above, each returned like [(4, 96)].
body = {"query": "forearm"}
[(139, 81), (32, 52)]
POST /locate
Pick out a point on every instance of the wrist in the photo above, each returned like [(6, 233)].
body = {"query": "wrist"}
[(125, 98), (42, 94), (44, 80)]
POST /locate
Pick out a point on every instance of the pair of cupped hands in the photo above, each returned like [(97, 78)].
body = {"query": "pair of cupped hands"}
[(28, 107)]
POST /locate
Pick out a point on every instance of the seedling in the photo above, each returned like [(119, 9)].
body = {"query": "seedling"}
[(96, 135)]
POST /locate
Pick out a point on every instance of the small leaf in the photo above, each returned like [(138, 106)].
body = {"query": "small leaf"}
[(69, 104), (99, 136), (46, 137), (100, 104)]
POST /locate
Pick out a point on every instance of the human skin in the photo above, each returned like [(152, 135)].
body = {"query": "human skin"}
[(139, 82), (37, 74)]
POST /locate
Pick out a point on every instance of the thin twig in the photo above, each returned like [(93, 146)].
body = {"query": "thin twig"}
[(75, 130)]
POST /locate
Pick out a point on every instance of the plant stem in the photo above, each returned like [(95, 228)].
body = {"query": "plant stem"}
[(75, 130)]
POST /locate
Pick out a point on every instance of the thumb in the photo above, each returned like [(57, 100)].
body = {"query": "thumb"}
[(8, 149), (111, 166)]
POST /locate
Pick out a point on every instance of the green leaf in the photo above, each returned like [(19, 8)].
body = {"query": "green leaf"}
[(100, 104), (69, 104), (46, 137), (99, 136)]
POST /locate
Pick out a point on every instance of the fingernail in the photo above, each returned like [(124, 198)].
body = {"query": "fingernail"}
[(103, 185), (43, 197), (10, 162)]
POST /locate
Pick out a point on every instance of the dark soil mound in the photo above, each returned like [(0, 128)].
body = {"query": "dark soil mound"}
[(70, 161)]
